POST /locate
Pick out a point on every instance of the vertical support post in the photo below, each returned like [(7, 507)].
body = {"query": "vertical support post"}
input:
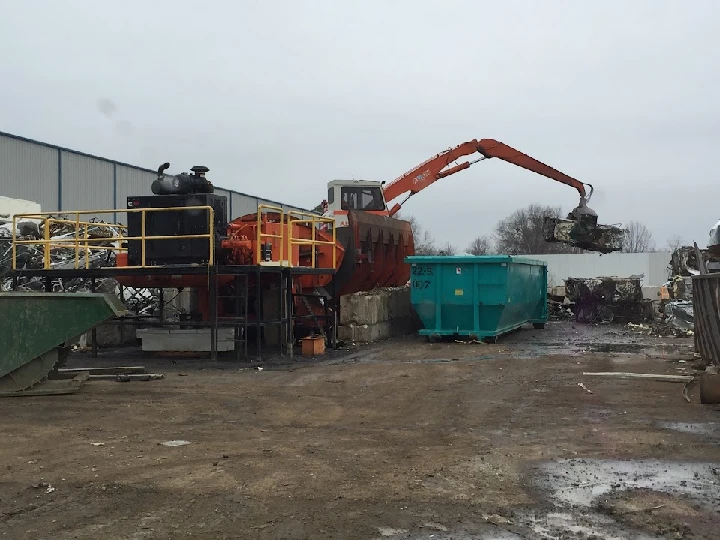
[(281, 313), (212, 286), (87, 247), (93, 332), (291, 307), (77, 239), (143, 215), (59, 180), (335, 303), (238, 315), (14, 249), (259, 314), (115, 191), (46, 247), (313, 245), (326, 320), (48, 284), (246, 301), (122, 321), (161, 297)]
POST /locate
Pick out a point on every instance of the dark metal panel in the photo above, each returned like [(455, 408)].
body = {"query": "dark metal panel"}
[(706, 315)]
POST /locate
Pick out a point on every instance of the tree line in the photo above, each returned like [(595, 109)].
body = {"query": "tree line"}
[(521, 233)]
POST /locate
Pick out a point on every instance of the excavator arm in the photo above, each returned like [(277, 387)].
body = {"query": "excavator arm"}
[(580, 229), (435, 168)]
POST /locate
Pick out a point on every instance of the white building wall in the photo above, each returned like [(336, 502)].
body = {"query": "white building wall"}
[(9, 207), (653, 266)]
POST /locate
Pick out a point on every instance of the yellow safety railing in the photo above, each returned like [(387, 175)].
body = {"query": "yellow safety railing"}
[(80, 241), (314, 221), (263, 234)]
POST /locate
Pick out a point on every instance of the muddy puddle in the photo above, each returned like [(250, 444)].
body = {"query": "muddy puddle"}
[(579, 492), (483, 532), (579, 482), (704, 429)]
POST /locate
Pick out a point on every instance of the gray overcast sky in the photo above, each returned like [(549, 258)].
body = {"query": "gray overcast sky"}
[(277, 98)]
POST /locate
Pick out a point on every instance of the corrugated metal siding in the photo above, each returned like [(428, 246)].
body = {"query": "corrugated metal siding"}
[(92, 184), (235, 206), (287, 208), (130, 182), (44, 173), (243, 205), (29, 171)]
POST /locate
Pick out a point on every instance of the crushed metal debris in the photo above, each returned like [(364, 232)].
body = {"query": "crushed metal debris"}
[(31, 257), (608, 299)]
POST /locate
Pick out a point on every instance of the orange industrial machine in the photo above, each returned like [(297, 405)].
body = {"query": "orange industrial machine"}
[(273, 271), (357, 241)]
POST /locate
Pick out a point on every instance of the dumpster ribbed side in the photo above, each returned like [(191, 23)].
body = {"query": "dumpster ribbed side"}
[(477, 296), (706, 314)]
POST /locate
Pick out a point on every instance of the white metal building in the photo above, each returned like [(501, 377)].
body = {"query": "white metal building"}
[(652, 266), (60, 179)]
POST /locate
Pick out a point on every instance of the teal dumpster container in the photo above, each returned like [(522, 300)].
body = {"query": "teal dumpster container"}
[(480, 297)]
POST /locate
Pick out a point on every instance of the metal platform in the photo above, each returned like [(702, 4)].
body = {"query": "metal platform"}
[(241, 320)]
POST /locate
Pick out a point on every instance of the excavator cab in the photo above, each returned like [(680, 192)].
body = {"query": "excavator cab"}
[(359, 195)]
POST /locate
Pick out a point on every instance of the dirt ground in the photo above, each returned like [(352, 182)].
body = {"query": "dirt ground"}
[(401, 439)]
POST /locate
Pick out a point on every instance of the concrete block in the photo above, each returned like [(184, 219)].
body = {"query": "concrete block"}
[(651, 293), (113, 335), (375, 307), (558, 290), (365, 333), (368, 333), (185, 340), (399, 305), (360, 308)]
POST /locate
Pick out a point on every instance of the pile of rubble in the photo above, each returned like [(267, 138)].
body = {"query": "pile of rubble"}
[(660, 328), (601, 300), (32, 257), (677, 303)]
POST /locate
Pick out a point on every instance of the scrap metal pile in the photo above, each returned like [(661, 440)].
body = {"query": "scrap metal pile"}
[(63, 257), (677, 306), (608, 299), (596, 237)]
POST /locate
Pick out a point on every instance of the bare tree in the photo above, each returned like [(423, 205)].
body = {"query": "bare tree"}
[(424, 241), (522, 232), (639, 239), (482, 245), (447, 249), (674, 242)]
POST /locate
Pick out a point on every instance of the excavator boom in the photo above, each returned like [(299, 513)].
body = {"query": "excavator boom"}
[(435, 168), (580, 229), (491, 148)]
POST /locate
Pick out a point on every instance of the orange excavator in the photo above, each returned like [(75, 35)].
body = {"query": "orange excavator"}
[(362, 242), (366, 228), (434, 169)]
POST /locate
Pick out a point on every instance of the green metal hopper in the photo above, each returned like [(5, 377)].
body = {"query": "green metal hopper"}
[(38, 329), (479, 297)]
